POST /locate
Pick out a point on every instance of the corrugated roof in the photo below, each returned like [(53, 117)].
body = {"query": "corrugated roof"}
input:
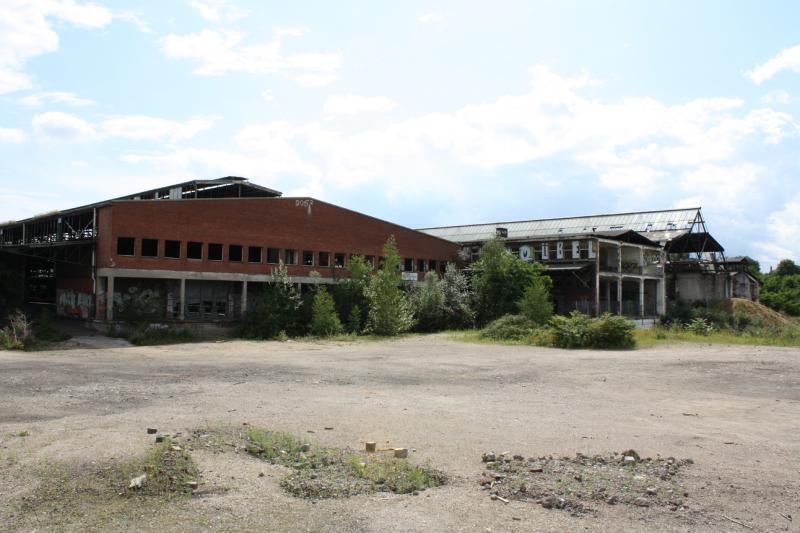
[(656, 225)]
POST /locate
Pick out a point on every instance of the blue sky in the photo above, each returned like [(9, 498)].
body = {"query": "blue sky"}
[(422, 113)]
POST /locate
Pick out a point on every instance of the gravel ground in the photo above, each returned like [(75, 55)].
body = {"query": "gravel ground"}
[(734, 410)]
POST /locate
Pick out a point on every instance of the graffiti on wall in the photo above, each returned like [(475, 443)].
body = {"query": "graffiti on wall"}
[(73, 304)]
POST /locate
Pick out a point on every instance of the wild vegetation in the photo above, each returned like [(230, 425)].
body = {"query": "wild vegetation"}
[(781, 289)]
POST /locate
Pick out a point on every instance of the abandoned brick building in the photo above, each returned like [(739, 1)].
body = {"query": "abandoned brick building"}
[(203, 247), (626, 263)]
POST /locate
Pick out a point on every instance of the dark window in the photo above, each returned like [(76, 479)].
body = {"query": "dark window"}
[(370, 260), (194, 250), (338, 260), (408, 264), (381, 261), (214, 252), (291, 257), (273, 255), (172, 249), (308, 258), (125, 246), (235, 253), (442, 267), (432, 265), (421, 265), (149, 247), (254, 254), (324, 259)]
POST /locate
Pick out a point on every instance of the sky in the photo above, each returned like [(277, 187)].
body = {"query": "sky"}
[(421, 113)]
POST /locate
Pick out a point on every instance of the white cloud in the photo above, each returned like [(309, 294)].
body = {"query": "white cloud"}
[(56, 126), (55, 97), (788, 59), (220, 52), (218, 10), (732, 186), (133, 18), (432, 17), (784, 234), (776, 97), (11, 135), (140, 127), (268, 97), (26, 32), (351, 104)]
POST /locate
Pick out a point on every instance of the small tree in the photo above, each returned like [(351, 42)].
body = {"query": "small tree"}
[(348, 293), (324, 320), (457, 298), (535, 303), (389, 308), (500, 281), (429, 304), (276, 310), (354, 320)]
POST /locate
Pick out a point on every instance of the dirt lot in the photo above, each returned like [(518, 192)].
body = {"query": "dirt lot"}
[(735, 411)]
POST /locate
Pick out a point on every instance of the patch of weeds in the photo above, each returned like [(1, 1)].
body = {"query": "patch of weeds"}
[(161, 336), (23, 434), (97, 496), (572, 483), (323, 472)]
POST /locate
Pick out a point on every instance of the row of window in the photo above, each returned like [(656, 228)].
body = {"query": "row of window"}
[(126, 246)]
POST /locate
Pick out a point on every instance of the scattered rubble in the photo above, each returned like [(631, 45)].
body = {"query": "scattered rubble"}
[(571, 483)]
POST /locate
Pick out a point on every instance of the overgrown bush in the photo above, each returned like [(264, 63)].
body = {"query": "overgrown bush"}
[(699, 326), (324, 320), (429, 304), (535, 303), (390, 311), (275, 311), (500, 281), (349, 293), (509, 328), (354, 321), (457, 299), (17, 333), (605, 332)]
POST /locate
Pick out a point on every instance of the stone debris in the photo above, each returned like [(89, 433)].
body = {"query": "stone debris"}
[(571, 483), (137, 482), (152, 431)]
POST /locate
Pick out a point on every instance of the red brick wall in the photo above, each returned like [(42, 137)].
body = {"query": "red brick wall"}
[(285, 223)]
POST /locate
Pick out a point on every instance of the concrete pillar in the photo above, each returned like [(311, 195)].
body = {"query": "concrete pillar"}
[(110, 298), (597, 293), (244, 298), (608, 295), (641, 297), (619, 295), (182, 311)]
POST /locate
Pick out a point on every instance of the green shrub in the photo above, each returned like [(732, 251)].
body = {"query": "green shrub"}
[(610, 332), (429, 304), (509, 328), (457, 299), (17, 333), (277, 310), (390, 311), (579, 331), (535, 303), (699, 326), (324, 320), (354, 321)]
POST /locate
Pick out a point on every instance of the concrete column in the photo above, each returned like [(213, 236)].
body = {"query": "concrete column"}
[(641, 297), (244, 297), (662, 290), (608, 295), (182, 311), (110, 298), (619, 295)]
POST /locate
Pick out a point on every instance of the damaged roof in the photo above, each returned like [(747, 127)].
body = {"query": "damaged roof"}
[(658, 226)]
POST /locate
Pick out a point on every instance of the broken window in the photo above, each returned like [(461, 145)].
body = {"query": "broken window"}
[(214, 252), (408, 264), (254, 254), (172, 249), (338, 260), (432, 265), (149, 247), (421, 265), (125, 246), (273, 255), (235, 253), (545, 251), (194, 250), (576, 249), (370, 260), (324, 259), (290, 256), (559, 250), (591, 250), (308, 258)]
